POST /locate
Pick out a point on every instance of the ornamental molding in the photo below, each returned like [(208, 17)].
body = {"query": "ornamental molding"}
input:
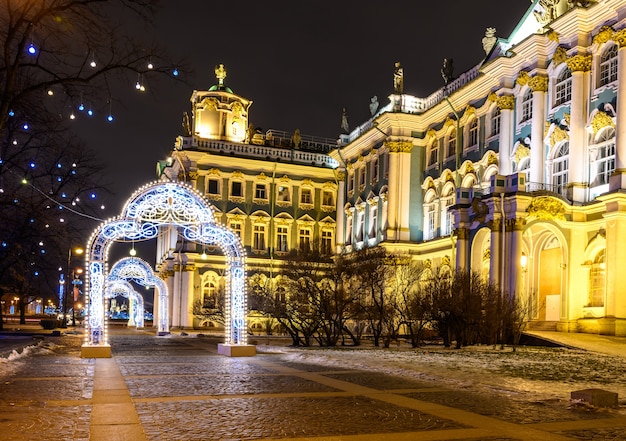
[(213, 172), (237, 174), (521, 152), (619, 37), (307, 183), (604, 35), (522, 78), (558, 135), (560, 55), (506, 102), (399, 146), (492, 158), (539, 83), (284, 179), (261, 177), (431, 133), (445, 260), (553, 35), (449, 122), (601, 120), (341, 176), (469, 110), (469, 168), (492, 97), (579, 63), (547, 208)]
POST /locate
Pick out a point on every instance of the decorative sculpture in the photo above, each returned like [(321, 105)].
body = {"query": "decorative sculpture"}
[(398, 79), (373, 105)]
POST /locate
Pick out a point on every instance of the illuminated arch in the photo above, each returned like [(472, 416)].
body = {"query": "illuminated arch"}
[(157, 205), (138, 270), (135, 300)]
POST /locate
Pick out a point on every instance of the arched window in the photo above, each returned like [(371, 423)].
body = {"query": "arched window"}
[(560, 168), (433, 152), (527, 106), (597, 281), (473, 134), (447, 201), (495, 121), (430, 215), (602, 158), (563, 88), (524, 167), (451, 144), (608, 66), (210, 293)]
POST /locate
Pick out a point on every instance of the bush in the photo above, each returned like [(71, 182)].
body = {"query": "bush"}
[(48, 323)]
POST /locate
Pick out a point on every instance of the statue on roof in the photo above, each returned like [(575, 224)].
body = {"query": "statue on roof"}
[(220, 74), (489, 40), (447, 69), (373, 105), (344, 121), (186, 124), (398, 79)]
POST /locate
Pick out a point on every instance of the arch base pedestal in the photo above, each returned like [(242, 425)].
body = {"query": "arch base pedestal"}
[(236, 350), (95, 351)]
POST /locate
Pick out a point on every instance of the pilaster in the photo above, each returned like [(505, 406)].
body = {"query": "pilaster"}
[(539, 86), (506, 103), (618, 179)]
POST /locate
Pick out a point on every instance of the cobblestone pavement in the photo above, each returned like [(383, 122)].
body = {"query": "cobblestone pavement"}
[(178, 388)]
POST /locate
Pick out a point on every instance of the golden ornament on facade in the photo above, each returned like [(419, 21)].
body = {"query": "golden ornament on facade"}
[(560, 55), (193, 175), (399, 146), (506, 102), (579, 63), (469, 168), (521, 152), (469, 110), (492, 158), (547, 208), (619, 37), (604, 34), (210, 104), (213, 172), (445, 260), (431, 133), (428, 263), (553, 35), (538, 83), (522, 78), (449, 122), (566, 117), (558, 135), (237, 108), (601, 120), (341, 176), (493, 97), (487, 254)]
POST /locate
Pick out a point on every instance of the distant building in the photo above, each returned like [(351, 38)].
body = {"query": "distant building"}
[(277, 191)]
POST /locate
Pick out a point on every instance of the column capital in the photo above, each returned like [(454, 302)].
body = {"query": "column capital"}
[(399, 146), (539, 83), (522, 78), (604, 34), (506, 102), (619, 37), (579, 63)]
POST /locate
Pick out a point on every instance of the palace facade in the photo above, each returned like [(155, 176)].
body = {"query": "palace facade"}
[(515, 169)]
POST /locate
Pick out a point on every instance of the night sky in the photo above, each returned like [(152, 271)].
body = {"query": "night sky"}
[(300, 62)]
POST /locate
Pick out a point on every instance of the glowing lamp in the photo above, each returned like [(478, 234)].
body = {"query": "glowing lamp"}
[(110, 118), (32, 49)]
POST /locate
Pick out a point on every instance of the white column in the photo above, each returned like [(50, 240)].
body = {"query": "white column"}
[(579, 65), (393, 193), (514, 259), (539, 86), (399, 189), (340, 236), (506, 103), (618, 180)]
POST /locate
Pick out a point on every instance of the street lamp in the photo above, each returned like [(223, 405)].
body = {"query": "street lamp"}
[(70, 277)]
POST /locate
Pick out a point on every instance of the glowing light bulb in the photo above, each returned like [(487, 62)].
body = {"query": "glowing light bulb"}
[(142, 88), (25, 126), (150, 65), (138, 85), (11, 113), (14, 142), (81, 107), (50, 92), (72, 116), (90, 112), (133, 252), (204, 256), (32, 49), (175, 72), (110, 118), (93, 63)]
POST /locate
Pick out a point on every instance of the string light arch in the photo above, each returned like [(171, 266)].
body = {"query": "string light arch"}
[(157, 205), (123, 288)]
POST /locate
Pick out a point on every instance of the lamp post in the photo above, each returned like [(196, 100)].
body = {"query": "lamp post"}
[(70, 280)]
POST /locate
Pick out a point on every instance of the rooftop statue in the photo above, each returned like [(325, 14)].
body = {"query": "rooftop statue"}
[(373, 105), (220, 74), (398, 79), (489, 40)]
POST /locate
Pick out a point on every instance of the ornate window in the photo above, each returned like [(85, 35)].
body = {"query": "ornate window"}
[(236, 189), (447, 201), (349, 221), (327, 242), (602, 158), (608, 66), (362, 176), (430, 215), (473, 133), (451, 144), (210, 293), (306, 195), (527, 106), (235, 226), (260, 192), (328, 198), (373, 227), (433, 153), (283, 193), (597, 281), (258, 243), (560, 168), (351, 179), (495, 121), (213, 186), (282, 239), (563, 88), (304, 238), (374, 170)]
